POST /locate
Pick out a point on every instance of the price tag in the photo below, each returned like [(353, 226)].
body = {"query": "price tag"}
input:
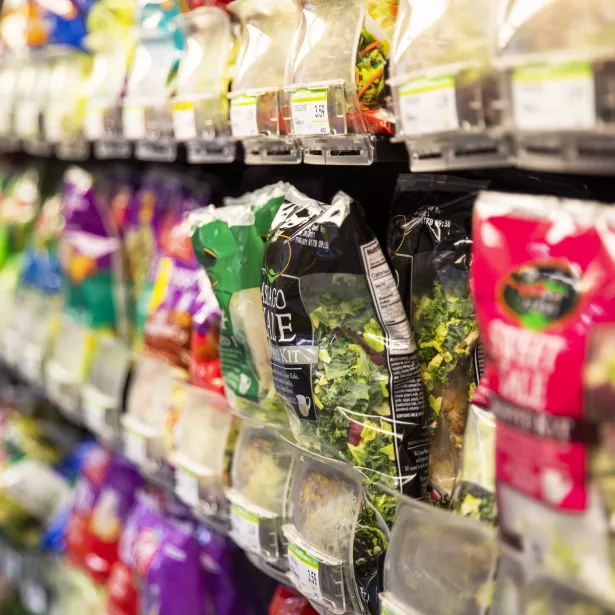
[(304, 568), (184, 121), (309, 112), (53, 124), (94, 126), (135, 447), (133, 121), (243, 116), (11, 346), (245, 526), (186, 487), (5, 121), (428, 105), (32, 363), (95, 412), (26, 120), (554, 97)]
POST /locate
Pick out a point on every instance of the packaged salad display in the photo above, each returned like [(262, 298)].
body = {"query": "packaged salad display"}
[(537, 304), (554, 95), (260, 478), (336, 538), (200, 106), (440, 79), (438, 563), (336, 81), (257, 117), (430, 244), (344, 360), (228, 243)]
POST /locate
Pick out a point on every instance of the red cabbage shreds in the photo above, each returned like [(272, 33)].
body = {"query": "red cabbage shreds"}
[(544, 283)]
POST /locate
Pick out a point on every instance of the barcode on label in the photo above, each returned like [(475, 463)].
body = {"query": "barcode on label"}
[(310, 114)]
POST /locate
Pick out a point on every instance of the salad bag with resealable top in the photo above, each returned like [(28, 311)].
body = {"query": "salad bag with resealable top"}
[(343, 355), (228, 243), (430, 247), (544, 286)]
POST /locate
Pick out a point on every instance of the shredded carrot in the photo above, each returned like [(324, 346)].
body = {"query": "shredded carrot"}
[(370, 81), (369, 48)]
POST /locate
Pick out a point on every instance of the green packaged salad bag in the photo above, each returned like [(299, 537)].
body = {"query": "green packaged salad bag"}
[(228, 243)]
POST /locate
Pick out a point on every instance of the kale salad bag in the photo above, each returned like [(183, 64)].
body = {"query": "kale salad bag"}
[(228, 243), (343, 356), (430, 247)]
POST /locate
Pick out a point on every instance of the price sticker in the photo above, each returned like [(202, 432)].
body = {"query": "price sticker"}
[(243, 116), (184, 121), (309, 112), (428, 105), (26, 120), (94, 125), (32, 363), (304, 569), (53, 118), (135, 447), (539, 91), (245, 526), (133, 121), (186, 486)]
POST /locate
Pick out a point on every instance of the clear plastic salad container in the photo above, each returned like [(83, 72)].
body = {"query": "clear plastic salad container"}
[(204, 438), (103, 393), (200, 107), (9, 74), (335, 538), (440, 76), (260, 479), (554, 58), (268, 28), (33, 82), (438, 563), (64, 114), (147, 411), (103, 114), (334, 95), (66, 368)]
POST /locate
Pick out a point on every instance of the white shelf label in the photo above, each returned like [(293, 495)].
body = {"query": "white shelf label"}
[(309, 112), (554, 97), (53, 124), (135, 447), (26, 120), (11, 346), (32, 363), (245, 526), (5, 120), (304, 568), (94, 126), (186, 486), (184, 121), (94, 413), (243, 116), (133, 121), (428, 105)]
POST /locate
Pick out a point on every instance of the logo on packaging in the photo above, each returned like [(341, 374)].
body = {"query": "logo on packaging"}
[(539, 295), (277, 257)]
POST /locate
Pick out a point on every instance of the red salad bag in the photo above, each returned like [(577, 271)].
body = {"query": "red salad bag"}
[(288, 602)]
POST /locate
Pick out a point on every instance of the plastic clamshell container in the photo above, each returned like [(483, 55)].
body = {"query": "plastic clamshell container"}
[(268, 28), (321, 98), (33, 83), (440, 76), (325, 501), (146, 110), (63, 116), (65, 368), (200, 108), (555, 60), (103, 114), (147, 410), (260, 479), (438, 563), (203, 436), (9, 69), (103, 393)]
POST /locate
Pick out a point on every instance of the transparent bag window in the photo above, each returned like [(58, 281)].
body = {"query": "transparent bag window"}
[(438, 562), (260, 478)]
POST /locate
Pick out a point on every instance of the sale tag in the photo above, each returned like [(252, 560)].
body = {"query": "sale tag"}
[(243, 116), (187, 486), (428, 105), (26, 120), (304, 569), (135, 447), (94, 126), (554, 97), (184, 121), (245, 526), (133, 120), (309, 112)]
